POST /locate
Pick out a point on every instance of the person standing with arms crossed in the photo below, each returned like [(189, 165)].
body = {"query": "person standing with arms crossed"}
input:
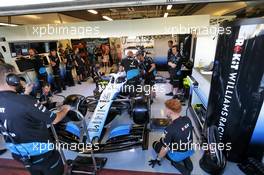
[(175, 64)]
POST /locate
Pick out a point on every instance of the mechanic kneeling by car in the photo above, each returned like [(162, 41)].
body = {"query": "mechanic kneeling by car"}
[(24, 122), (177, 133)]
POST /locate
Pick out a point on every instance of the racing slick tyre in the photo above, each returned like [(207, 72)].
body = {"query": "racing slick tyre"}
[(110, 117), (213, 161), (77, 102), (140, 112)]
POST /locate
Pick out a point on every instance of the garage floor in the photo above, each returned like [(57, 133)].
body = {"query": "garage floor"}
[(137, 159)]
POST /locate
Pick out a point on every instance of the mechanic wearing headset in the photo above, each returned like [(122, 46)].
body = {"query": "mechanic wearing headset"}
[(148, 69), (55, 64), (25, 128), (131, 66), (175, 64), (170, 44), (176, 142), (38, 66), (23, 88)]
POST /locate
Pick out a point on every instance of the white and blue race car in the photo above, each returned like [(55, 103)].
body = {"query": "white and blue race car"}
[(111, 101)]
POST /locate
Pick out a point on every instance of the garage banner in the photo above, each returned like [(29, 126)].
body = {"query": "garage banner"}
[(237, 87)]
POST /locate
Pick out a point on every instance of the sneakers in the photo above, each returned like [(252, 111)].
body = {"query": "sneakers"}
[(3, 151), (188, 163), (169, 94), (175, 97)]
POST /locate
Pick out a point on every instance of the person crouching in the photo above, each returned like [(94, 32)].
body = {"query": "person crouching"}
[(177, 133)]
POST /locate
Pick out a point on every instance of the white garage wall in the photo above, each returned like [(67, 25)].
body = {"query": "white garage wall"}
[(205, 50), (161, 46), (204, 55), (139, 27), (6, 54)]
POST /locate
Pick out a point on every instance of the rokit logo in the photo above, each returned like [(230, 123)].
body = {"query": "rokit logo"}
[(237, 53), (93, 130), (230, 86), (97, 122)]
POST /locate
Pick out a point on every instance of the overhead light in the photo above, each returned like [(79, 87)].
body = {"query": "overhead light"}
[(166, 15), (93, 11), (107, 18), (113, 10), (131, 9), (57, 22), (169, 7), (32, 16), (132, 37), (8, 3), (6, 24), (221, 12)]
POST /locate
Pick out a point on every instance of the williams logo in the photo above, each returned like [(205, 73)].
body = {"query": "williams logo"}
[(230, 86)]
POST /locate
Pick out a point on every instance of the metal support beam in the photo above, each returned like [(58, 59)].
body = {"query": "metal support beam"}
[(91, 4)]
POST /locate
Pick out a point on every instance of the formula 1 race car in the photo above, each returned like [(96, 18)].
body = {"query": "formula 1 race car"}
[(106, 105)]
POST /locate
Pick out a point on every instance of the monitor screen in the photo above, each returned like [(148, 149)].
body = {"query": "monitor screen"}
[(25, 64)]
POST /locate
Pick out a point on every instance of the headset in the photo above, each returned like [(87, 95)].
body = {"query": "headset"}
[(12, 79)]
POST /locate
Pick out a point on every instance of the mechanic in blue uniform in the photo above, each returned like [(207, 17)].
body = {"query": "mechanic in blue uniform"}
[(176, 141), (39, 67), (148, 69), (170, 44), (131, 66), (25, 128), (55, 64), (69, 66), (46, 97), (175, 64)]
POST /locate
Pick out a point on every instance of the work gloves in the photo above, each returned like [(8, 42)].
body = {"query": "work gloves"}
[(153, 162)]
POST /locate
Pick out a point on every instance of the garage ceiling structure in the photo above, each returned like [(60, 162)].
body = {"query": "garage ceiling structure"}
[(138, 12), (69, 11), (19, 7)]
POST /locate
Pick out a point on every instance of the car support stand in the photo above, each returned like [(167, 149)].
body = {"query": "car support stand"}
[(82, 164)]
